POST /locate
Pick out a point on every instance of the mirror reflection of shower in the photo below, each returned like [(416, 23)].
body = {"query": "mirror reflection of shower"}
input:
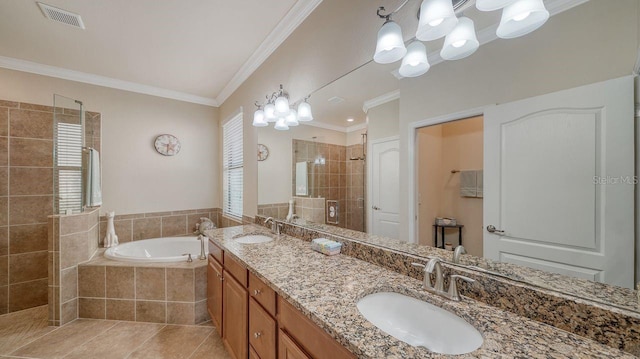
[(356, 185)]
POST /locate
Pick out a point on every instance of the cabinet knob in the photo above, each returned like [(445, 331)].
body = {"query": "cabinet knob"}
[(257, 334), (257, 291)]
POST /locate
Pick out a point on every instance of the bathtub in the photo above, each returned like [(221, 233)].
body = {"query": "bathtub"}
[(167, 249)]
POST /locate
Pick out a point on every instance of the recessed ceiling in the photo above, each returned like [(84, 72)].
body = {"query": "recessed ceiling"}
[(190, 47)]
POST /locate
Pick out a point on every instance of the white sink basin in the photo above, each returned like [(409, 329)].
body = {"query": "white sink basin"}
[(419, 323), (253, 239)]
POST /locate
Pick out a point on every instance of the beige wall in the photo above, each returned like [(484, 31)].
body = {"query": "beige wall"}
[(383, 120), (590, 43), (134, 177)]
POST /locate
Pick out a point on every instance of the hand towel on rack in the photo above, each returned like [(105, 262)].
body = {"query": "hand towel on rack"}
[(479, 184), (93, 189), (468, 184)]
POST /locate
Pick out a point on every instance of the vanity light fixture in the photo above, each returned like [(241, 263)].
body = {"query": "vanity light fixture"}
[(278, 109), (437, 18)]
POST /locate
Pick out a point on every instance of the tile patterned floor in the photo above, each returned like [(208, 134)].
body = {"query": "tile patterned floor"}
[(25, 334)]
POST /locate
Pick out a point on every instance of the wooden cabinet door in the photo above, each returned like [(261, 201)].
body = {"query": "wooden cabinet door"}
[(288, 349), (262, 331), (214, 293), (235, 319)]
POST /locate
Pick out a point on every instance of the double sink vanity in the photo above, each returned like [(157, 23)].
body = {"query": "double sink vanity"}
[(271, 296)]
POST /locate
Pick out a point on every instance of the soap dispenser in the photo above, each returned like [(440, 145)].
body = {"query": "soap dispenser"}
[(290, 214)]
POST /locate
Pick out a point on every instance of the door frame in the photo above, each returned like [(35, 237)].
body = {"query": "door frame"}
[(413, 160), (368, 201)]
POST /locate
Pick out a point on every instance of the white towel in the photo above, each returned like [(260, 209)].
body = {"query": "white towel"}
[(468, 184), (302, 188), (93, 189), (479, 184)]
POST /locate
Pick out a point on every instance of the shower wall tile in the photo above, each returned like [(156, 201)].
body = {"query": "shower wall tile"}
[(28, 267), (4, 181), (4, 121), (34, 107), (31, 152), (4, 300), (28, 238), (30, 209), (30, 181), (73, 224), (4, 211), (31, 124), (4, 151), (73, 249), (4, 241), (27, 295), (4, 270)]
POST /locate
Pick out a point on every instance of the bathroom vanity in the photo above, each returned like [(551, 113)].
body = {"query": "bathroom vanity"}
[(281, 299)]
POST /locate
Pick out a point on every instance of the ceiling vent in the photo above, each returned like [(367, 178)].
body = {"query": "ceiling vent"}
[(59, 15), (335, 100)]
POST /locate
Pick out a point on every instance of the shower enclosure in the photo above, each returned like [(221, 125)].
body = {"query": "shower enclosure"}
[(75, 131)]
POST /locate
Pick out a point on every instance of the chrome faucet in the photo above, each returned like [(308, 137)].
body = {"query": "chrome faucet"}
[(457, 253), (202, 256), (438, 286), (275, 226)]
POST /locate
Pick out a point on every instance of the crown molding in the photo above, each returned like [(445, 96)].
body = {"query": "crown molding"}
[(380, 100), (66, 74), (296, 15), (358, 127)]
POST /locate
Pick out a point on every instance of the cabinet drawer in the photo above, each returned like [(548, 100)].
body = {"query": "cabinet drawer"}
[(262, 331), (216, 252), (262, 294), (236, 269), (308, 335)]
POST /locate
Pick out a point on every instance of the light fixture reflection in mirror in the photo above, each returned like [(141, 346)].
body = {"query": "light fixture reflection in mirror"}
[(278, 109)]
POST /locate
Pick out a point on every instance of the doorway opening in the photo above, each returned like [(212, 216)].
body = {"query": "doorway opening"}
[(449, 178)]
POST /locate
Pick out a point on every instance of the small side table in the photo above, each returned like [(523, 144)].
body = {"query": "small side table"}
[(435, 234)]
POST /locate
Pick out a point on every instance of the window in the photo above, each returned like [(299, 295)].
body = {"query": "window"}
[(68, 167), (232, 167)]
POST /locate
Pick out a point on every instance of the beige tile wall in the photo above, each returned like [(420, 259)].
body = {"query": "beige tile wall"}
[(138, 226), (354, 203), (310, 209), (275, 210), (26, 199), (73, 239), (143, 294)]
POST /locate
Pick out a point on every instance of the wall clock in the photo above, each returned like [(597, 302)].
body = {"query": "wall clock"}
[(167, 145), (263, 152)]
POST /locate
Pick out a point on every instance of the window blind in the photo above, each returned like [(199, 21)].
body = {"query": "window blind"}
[(68, 148), (232, 167)]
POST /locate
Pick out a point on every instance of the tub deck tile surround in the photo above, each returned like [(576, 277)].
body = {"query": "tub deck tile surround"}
[(171, 293), (326, 289), (139, 226)]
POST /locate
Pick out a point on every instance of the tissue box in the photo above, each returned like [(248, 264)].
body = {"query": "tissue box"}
[(443, 221), (326, 246)]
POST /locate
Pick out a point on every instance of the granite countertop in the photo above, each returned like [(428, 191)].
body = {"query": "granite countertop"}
[(326, 289)]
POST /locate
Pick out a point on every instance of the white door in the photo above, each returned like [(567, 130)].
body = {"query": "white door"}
[(385, 187), (559, 182)]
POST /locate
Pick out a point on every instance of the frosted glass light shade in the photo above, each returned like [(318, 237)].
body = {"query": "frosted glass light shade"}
[(270, 112), (521, 18), (437, 18), (390, 47), (259, 120), (282, 106), (292, 119), (415, 63), (281, 125), (461, 41), (492, 5), (304, 112)]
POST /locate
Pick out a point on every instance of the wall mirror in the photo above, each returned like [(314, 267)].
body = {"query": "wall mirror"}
[(443, 125)]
